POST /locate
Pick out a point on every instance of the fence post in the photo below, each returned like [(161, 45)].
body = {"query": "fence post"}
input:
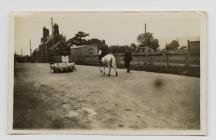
[(167, 59), (138, 60), (187, 62)]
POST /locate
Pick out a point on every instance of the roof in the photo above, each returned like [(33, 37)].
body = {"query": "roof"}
[(75, 47), (82, 46)]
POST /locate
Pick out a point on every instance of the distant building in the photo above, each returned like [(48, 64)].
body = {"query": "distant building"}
[(194, 47), (85, 54), (144, 50)]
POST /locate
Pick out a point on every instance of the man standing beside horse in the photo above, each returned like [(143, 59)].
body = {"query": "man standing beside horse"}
[(128, 58)]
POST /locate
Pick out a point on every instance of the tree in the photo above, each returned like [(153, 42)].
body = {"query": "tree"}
[(173, 45), (123, 48), (78, 39), (114, 48), (148, 40)]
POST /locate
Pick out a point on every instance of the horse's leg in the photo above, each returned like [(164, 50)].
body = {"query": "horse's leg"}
[(114, 65), (104, 70), (109, 67), (110, 64), (100, 68), (116, 70)]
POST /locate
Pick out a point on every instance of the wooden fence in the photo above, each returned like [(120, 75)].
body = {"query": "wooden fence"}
[(176, 63)]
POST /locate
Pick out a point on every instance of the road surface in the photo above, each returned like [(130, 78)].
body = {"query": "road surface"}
[(85, 99)]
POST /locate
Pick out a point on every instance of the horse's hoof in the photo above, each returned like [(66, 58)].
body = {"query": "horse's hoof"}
[(108, 75), (116, 75)]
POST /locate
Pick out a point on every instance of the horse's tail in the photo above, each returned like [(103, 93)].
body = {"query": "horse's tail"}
[(112, 62)]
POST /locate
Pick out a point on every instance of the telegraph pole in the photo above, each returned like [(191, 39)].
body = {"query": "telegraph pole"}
[(30, 47), (30, 50), (145, 28)]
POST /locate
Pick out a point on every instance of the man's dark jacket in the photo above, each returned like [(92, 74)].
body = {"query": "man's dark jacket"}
[(128, 56)]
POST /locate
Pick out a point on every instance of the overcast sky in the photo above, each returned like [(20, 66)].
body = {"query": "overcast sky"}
[(117, 28)]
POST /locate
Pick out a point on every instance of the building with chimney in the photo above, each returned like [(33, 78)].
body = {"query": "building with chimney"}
[(49, 45)]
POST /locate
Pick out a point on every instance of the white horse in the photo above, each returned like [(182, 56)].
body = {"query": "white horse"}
[(108, 61)]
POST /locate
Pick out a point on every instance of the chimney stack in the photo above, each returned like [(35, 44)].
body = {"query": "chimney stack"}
[(52, 25), (145, 28)]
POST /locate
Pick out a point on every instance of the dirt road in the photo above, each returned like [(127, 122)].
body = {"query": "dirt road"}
[(85, 99)]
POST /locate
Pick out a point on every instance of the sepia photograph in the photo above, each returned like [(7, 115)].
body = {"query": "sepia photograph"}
[(124, 73)]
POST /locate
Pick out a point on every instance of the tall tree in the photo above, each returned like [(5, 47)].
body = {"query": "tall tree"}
[(114, 48), (173, 45), (148, 40), (78, 39)]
